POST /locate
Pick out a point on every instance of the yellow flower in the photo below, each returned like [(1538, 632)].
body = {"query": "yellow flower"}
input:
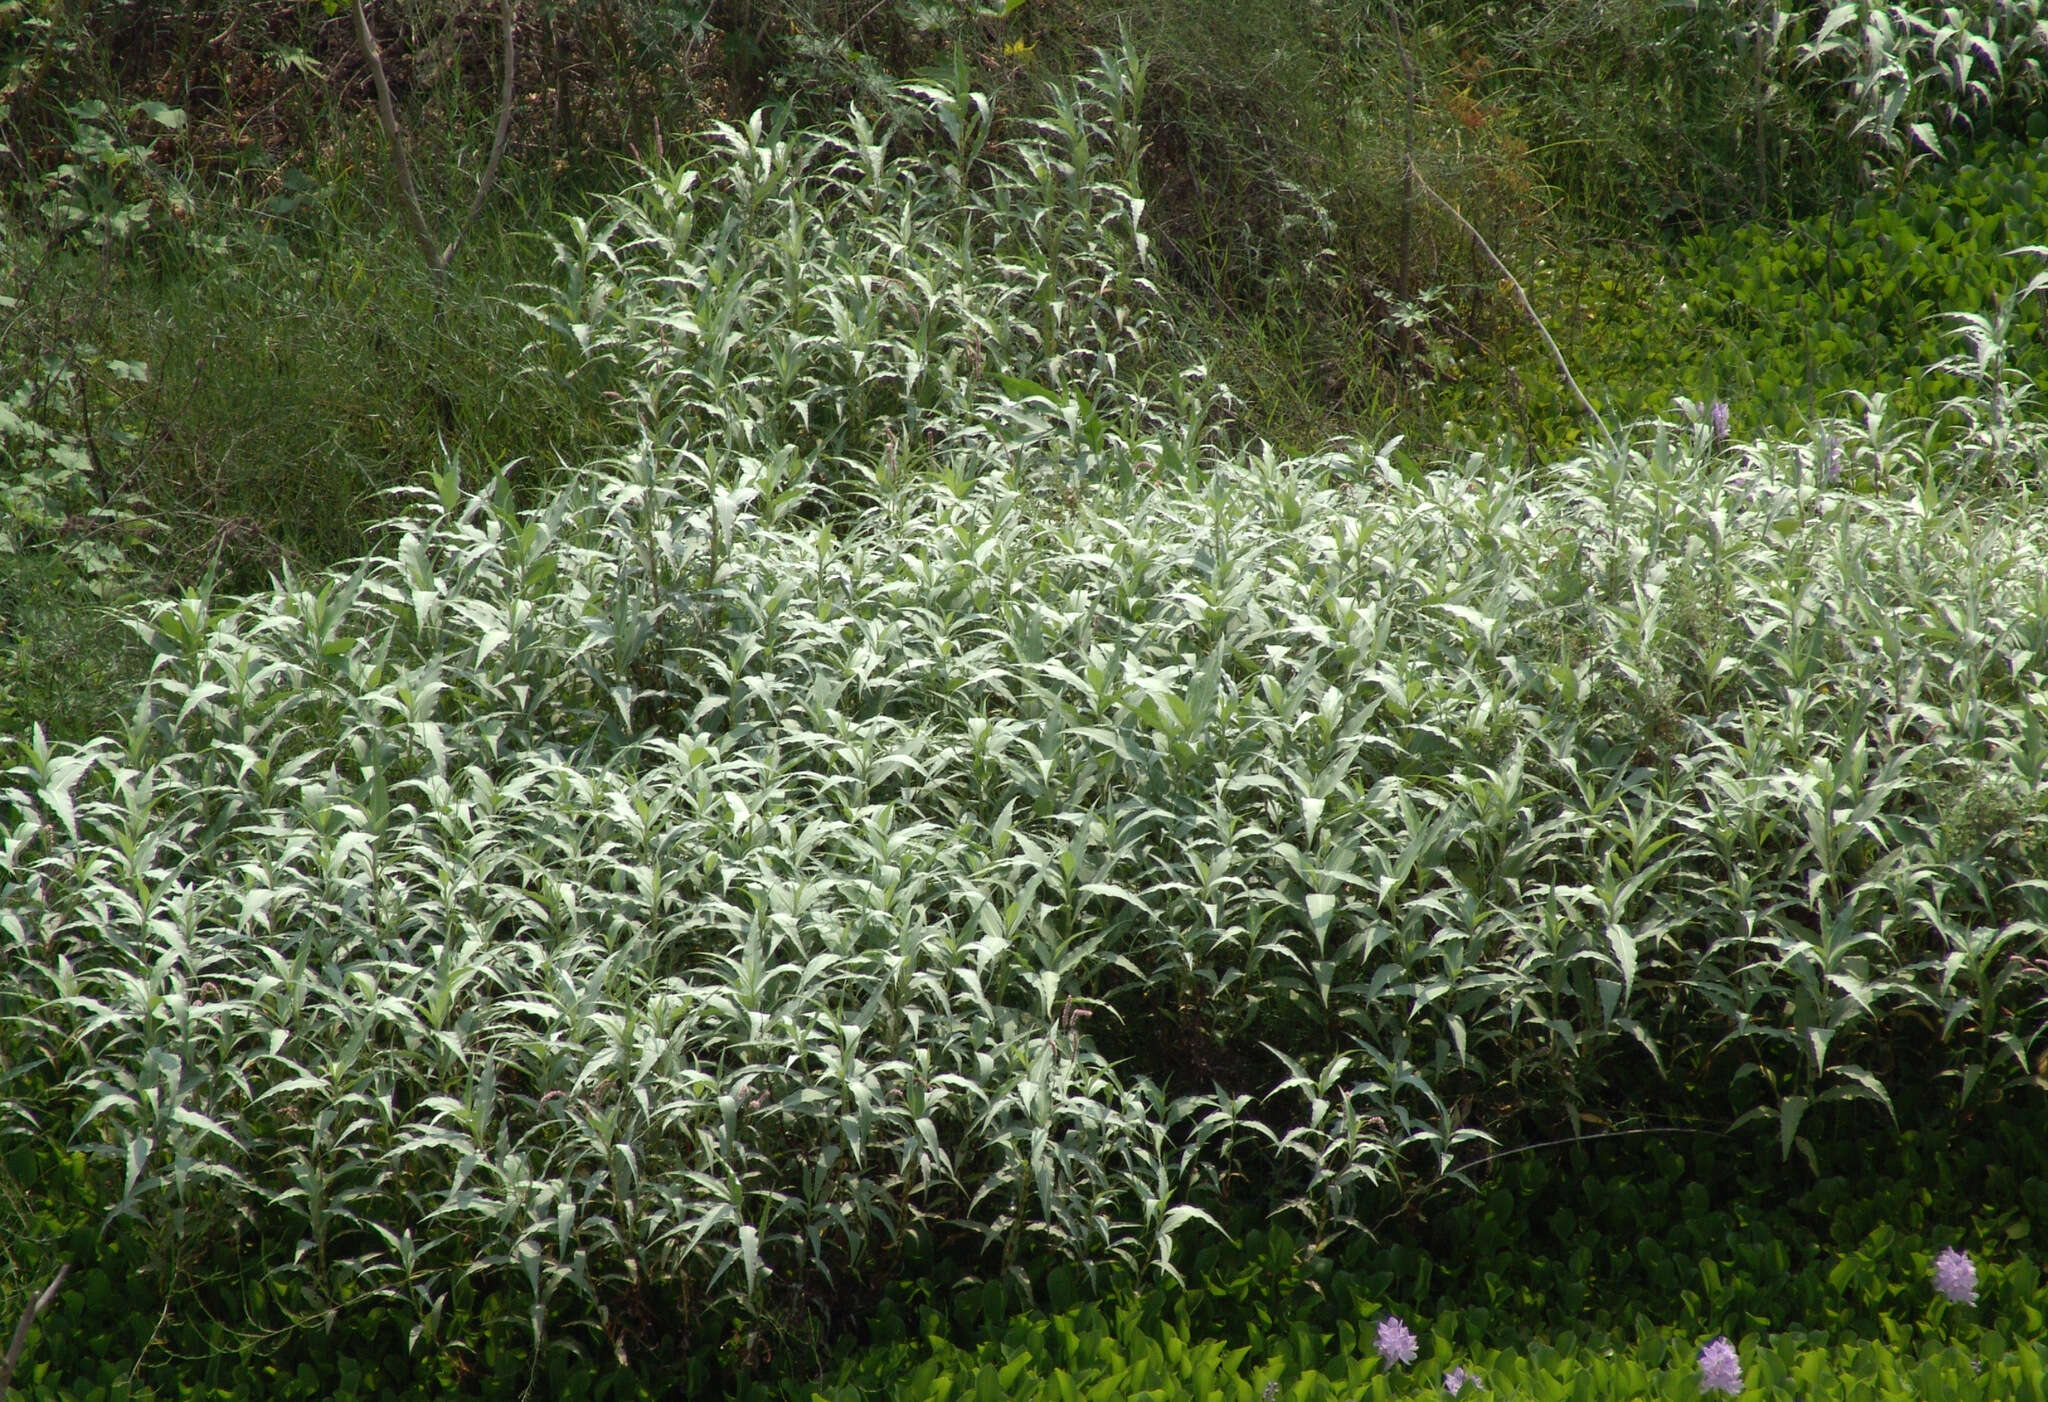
[(1019, 50)]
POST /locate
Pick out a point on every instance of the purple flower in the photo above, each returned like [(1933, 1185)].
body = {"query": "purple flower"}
[(1720, 1369), (1455, 1380), (1955, 1275), (1396, 1341), (1830, 460), (1717, 415)]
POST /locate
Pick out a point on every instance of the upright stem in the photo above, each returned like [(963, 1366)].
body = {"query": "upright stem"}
[(1404, 287), (507, 91), (557, 64), (1765, 17), (394, 135)]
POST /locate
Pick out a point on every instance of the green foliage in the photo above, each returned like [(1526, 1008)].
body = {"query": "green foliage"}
[(141, 1318), (1638, 114), (67, 661), (1916, 306), (215, 357), (1830, 304), (54, 494), (810, 309), (1697, 1233), (1595, 1269), (1623, 1249), (1336, 295), (263, 80), (266, 80), (110, 187), (929, 807), (233, 396), (744, 1250), (1085, 1355), (1630, 1246), (71, 540), (1334, 292), (994, 819), (1912, 78)]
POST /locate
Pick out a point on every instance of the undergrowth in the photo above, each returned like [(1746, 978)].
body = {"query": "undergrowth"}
[(1610, 1258), (1906, 300), (234, 396)]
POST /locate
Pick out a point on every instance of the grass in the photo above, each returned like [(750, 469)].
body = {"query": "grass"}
[(245, 387)]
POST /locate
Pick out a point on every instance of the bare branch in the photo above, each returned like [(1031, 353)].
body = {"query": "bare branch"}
[(387, 118), (28, 1319), (1520, 296)]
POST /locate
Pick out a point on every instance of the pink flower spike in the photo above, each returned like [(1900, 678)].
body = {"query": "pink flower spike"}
[(1720, 1369), (1955, 1276)]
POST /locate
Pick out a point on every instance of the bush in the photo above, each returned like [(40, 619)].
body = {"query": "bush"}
[(995, 820)]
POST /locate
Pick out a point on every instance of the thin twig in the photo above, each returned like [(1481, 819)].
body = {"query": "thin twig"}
[(28, 1319), (1408, 84), (136, 1366), (1422, 1190), (1589, 1138), (1521, 297)]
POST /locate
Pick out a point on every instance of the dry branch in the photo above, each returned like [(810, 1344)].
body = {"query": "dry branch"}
[(1520, 296)]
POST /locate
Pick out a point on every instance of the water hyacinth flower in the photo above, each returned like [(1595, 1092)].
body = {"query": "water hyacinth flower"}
[(1720, 1369), (1455, 1380), (1395, 1341), (1955, 1276)]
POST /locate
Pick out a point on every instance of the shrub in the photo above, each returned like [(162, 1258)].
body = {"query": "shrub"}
[(926, 797)]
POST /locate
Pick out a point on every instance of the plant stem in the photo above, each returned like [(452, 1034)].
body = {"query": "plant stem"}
[(401, 162), (28, 1319), (506, 93), (1407, 151), (394, 135)]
